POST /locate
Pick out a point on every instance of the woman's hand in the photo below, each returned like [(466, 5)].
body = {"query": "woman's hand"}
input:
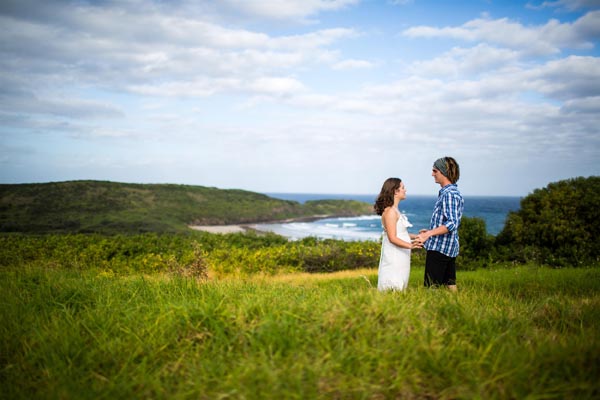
[(416, 245)]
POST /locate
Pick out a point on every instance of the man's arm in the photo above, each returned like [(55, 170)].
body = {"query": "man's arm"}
[(451, 206), (426, 234)]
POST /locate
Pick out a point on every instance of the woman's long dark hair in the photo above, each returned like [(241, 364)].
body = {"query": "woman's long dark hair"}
[(386, 196)]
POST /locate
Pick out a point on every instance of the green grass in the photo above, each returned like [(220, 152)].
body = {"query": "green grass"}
[(524, 332)]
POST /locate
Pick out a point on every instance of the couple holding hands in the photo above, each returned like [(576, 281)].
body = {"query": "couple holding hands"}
[(440, 240)]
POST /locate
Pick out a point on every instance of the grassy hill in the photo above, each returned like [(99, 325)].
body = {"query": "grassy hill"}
[(111, 207)]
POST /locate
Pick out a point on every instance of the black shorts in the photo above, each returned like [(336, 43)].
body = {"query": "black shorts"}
[(439, 269)]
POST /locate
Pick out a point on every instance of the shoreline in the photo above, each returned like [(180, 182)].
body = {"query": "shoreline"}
[(246, 227), (220, 228)]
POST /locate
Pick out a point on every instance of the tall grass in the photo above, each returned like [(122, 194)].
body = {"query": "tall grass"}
[(513, 333)]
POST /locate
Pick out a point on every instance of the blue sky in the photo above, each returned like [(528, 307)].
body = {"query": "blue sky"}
[(309, 96)]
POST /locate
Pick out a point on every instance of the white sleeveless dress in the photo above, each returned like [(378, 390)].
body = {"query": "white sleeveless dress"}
[(394, 264)]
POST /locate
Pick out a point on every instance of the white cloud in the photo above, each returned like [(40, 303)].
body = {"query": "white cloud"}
[(536, 40), (587, 105), (588, 27), (111, 133), (568, 4), (275, 86), (460, 61), (157, 54), (21, 101), (287, 9), (569, 78), (488, 115), (352, 64)]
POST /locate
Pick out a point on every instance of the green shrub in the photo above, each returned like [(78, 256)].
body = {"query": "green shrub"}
[(476, 245), (187, 254), (557, 225), (145, 253)]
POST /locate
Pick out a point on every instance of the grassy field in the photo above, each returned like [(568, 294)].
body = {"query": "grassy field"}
[(512, 333)]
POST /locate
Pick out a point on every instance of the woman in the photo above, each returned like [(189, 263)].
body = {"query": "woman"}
[(394, 264)]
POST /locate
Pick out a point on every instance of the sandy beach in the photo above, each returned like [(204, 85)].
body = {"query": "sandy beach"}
[(220, 228), (253, 227)]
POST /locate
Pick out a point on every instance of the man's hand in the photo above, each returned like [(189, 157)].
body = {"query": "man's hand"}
[(422, 237)]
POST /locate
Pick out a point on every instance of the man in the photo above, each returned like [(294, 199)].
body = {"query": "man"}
[(441, 240)]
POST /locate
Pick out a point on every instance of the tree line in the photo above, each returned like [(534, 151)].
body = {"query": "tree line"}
[(556, 225)]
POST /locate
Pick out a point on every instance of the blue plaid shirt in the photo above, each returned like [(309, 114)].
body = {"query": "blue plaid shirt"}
[(447, 211)]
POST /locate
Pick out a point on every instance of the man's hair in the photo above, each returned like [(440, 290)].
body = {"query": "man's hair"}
[(453, 169)]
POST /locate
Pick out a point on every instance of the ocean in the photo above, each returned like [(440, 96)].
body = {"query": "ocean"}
[(492, 209)]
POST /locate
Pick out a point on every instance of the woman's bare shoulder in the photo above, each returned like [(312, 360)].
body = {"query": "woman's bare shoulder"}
[(389, 211)]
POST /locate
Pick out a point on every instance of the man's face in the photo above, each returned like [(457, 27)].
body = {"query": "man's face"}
[(437, 175)]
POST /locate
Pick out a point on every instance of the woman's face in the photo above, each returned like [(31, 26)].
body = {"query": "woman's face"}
[(400, 193)]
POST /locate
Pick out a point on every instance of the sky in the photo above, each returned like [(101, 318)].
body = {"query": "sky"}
[(300, 96)]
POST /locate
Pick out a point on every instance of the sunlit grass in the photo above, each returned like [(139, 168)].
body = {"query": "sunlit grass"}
[(525, 332)]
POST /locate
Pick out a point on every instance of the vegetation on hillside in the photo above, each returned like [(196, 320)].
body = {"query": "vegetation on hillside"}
[(110, 207), (556, 225), (194, 254)]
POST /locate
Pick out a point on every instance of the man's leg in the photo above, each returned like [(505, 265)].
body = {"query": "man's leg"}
[(440, 270), (450, 274), (434, 269)]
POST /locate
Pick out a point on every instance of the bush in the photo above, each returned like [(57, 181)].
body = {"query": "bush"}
[(144, 253), (476, 245), (557, 225), (195, 254)]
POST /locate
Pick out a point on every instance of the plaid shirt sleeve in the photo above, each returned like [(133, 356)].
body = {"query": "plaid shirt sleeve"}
[(452, 207)]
